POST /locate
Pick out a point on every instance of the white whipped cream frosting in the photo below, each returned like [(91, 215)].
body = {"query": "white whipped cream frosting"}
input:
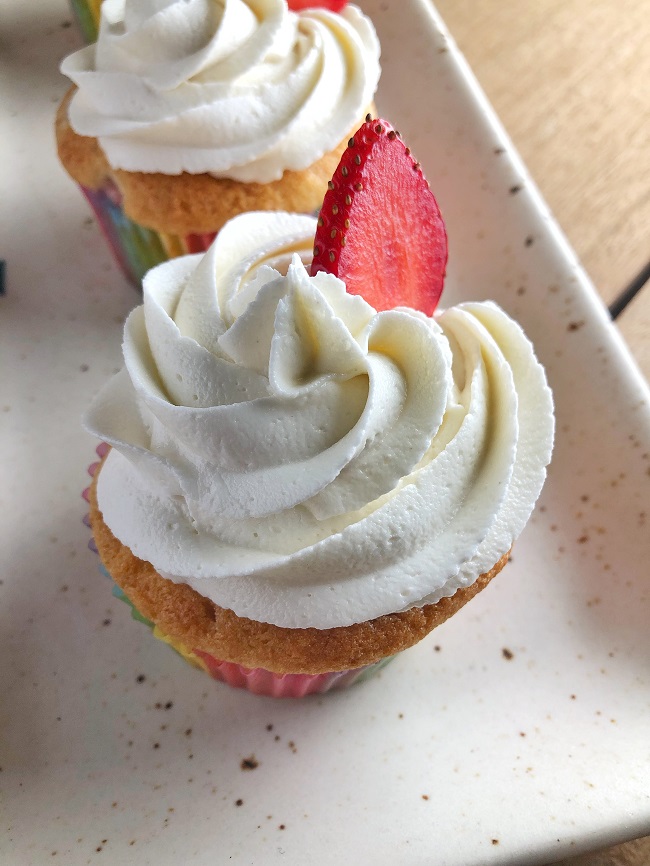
[(242, 89), (303, 460)]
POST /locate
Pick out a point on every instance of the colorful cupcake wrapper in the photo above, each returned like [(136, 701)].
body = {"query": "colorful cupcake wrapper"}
[(262, 682), (87, 14), (137, 249), (256, 680)]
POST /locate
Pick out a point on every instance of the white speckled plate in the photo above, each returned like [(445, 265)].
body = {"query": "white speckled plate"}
[(515, 734)]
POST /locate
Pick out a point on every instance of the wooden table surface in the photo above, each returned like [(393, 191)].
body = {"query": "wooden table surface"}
[(570, 80)]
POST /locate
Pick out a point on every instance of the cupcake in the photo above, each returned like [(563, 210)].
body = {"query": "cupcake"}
[(309, 468), (186, 113)]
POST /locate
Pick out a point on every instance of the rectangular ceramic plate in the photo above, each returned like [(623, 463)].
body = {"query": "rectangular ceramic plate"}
[(516, 733)]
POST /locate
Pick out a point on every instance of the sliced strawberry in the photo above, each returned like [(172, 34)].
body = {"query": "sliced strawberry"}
[(332, 5), (380, 228)]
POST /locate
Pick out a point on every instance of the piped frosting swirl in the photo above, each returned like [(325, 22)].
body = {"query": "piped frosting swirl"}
[(242, 89), (304, 460)]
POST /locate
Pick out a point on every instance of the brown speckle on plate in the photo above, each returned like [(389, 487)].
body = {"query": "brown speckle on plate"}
[(250, 763)]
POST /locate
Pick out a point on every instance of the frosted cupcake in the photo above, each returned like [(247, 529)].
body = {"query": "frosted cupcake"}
[(303, 482), (188, 112)]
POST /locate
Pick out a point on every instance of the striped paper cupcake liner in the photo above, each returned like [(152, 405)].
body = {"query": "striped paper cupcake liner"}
[(137, 249), (87, 14)]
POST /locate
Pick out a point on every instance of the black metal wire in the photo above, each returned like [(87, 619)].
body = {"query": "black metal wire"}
[(620, 303)]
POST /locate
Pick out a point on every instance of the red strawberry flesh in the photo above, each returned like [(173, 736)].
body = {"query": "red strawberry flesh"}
[(380, 228), (332, 5)]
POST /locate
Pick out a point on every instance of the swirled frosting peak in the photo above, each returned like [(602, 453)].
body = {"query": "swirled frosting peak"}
[(304, 460), (243, 89)]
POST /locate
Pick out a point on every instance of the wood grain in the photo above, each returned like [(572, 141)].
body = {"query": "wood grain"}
[(570, 79)]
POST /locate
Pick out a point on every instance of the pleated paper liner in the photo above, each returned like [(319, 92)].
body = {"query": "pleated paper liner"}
[(87, 14), (137, 249)]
